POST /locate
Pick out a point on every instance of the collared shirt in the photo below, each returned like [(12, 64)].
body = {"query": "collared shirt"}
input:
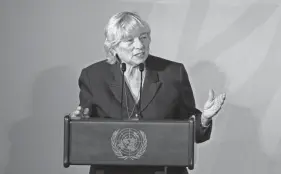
[(133, 80)]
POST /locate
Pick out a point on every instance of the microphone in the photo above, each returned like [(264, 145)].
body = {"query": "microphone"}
[(123, 69), (141, 68)]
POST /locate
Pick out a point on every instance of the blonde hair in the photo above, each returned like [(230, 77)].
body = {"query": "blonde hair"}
[(119, 27)]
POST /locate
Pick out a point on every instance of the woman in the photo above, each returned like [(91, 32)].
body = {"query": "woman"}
[(161, 90)]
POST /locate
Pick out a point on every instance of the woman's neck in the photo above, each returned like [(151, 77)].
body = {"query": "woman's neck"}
[(130, 69)]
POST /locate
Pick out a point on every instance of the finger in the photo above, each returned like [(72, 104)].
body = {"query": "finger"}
[(211, 95), (75, 113), (222, 98), (224, 95), (72, 114), (219, 99), (79, 108), (217, 104), (217, 108), (86, 112), (222, 101), (209, 104)]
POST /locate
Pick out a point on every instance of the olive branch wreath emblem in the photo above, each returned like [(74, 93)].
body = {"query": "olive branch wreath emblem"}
[(119, 153)]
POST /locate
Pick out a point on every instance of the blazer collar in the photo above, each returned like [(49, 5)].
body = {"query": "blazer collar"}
[(151, 73), (150, 87)]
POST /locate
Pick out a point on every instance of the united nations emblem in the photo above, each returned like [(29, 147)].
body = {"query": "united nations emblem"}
[(128, 143)]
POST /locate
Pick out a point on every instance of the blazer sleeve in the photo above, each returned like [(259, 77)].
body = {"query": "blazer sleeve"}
[(85, 94), (188, 108)]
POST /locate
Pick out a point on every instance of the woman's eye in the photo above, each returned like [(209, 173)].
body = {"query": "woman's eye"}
[(143, 37), (130, 40)]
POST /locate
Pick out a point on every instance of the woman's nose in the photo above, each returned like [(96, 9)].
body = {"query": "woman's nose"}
[(138, 43)]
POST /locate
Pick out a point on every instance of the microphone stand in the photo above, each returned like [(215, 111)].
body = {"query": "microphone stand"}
[(123, 69), (141, 68)]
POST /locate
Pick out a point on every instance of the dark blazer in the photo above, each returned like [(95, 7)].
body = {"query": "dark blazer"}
[(166, 94)]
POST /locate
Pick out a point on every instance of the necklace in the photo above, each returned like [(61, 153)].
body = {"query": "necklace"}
[(135, 94), (129, 114)]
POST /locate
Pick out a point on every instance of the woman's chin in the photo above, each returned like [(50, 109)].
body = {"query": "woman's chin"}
[(140, 59)]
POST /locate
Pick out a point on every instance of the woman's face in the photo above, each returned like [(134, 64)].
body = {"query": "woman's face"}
[(134, 49)]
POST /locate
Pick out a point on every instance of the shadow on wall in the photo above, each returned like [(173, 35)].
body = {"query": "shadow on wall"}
[(37, 141), (234, 145)]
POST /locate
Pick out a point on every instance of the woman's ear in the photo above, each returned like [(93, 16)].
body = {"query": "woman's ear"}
[(113, 52)]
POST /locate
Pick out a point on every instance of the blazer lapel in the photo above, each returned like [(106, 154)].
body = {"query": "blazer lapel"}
[(151, 85), (116, 82)]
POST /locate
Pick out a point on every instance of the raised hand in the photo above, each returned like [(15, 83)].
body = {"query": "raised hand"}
[(213, 105)]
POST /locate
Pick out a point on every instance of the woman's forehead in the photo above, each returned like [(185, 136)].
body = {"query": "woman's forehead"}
[(136, 32)]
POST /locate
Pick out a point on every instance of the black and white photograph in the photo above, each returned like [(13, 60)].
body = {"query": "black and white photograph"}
[(140, 86)]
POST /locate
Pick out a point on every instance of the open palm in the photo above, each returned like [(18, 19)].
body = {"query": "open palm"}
[(213, 104)]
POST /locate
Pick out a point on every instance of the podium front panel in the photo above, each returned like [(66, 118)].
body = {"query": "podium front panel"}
[(129, 143)]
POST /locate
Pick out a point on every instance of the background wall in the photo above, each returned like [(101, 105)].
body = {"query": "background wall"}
[(232, 46)]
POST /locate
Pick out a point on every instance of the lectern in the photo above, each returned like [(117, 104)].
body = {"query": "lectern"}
[(110, 142)]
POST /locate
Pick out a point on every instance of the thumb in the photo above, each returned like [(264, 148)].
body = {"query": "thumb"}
[(211, 95)]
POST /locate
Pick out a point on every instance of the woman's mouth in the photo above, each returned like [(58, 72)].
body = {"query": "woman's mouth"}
[(139, 54)]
